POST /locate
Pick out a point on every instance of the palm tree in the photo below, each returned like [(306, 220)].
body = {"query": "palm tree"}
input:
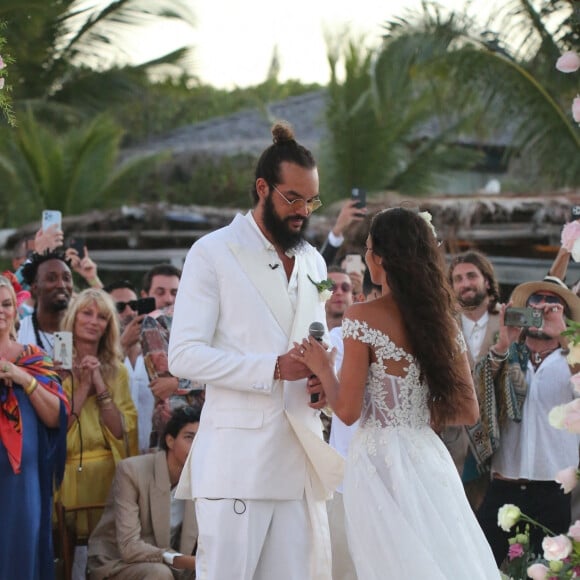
[(70, 52), (389, 128), (74, 172), (510, 78)]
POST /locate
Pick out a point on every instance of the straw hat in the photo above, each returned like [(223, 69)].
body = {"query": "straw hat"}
[(551, 284)]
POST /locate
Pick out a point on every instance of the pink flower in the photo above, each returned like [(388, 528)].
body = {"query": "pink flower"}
[(515, 551), (576, 109), (556, 548), (567, 478), (574, 531), (570, 233), (569, 62), (572, 416), (538, 572), (2, 63), (575, 379)]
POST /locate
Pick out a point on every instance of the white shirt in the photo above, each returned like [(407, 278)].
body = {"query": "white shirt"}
[(474, 332), (341, 434), (26, 335), (143, 399), (533, 449)]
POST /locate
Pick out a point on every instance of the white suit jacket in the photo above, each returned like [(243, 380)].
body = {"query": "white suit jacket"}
[(258, 438)]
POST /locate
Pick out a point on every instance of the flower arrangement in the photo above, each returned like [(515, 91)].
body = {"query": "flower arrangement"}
[(561, 553), (568, 63), (324, 288), (5, 101), (429, 219)]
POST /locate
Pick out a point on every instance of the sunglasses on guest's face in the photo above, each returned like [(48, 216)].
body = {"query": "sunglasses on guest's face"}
[(344, 286), (539, 298), (132, 304)]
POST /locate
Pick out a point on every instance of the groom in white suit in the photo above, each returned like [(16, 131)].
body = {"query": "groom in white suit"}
[(258, 469)]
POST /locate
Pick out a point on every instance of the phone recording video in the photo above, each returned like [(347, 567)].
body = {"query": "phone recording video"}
[(524, 317), (360, 196), (77, 244), (575, 213), (145, 305)]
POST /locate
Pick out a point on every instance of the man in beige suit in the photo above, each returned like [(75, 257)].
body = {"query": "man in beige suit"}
[(145, 533), (259, 470), (473, 281)]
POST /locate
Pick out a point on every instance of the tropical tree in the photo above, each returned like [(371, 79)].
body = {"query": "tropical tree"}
[(388, 120), (74, 172), (507, 71), (71, 52)]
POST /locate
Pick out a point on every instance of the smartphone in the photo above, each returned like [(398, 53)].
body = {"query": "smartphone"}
[(145, 305), (79, 245), (575, 213), (354, 263), (360, 196), (524, 317), (50, 217), (63, 350)]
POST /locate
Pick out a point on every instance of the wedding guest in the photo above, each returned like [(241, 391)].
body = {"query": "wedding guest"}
[(404, 375), (102, 427), (526, 374), (145, 532), (51, 283), (33, 414)]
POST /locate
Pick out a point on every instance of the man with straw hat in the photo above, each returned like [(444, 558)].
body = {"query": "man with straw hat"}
[(525, 375)]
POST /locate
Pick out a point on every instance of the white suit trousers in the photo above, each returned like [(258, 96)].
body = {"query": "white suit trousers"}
[(252, 540)]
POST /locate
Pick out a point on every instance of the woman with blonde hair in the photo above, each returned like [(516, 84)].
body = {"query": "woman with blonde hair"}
[(33, 414), (102, 427)]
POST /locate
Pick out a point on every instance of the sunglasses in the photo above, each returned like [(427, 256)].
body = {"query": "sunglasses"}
[(132, 304), (344, 286), (536, 299), (310, 204)]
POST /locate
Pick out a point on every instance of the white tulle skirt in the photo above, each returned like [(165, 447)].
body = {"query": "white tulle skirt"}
[(407, 517)]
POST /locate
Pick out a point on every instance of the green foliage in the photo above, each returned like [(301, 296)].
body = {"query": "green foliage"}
[(74, 171), (173, 103), (378, 114), (5, 100), (201, 180)]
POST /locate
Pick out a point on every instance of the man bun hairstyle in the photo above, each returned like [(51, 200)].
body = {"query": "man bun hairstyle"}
[(284, 148)]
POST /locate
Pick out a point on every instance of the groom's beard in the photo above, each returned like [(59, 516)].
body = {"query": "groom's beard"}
[(278, 227)]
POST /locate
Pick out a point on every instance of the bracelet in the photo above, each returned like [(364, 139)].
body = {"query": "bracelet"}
[(498, 357), (31, 387), (103, 395), (95, 282), (277, 372), (106, 401)]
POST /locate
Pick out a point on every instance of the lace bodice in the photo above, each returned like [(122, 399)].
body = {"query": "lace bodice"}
[(389, 400)]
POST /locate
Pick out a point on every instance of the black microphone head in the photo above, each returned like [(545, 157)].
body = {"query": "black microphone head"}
[(316, 330)]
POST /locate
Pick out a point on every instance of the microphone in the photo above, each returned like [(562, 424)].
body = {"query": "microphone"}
[(316, 331), (273, 266)]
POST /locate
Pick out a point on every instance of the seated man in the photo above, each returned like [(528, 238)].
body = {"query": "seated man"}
[(145, 533)]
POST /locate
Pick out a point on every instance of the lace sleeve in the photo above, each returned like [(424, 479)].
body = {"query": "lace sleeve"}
[(352, 329)]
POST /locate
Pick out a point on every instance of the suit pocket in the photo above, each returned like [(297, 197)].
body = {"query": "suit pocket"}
[(239, 419)]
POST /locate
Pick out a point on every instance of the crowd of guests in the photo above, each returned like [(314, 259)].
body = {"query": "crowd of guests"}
[(116, 427)]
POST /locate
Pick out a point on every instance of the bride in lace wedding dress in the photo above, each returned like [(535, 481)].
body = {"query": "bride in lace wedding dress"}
[(405, 374)]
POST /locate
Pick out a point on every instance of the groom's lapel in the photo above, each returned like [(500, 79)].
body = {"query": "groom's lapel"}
[(268, 283), (308, 307)]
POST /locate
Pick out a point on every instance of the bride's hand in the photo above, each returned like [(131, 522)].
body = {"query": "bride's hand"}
[(314, 355)]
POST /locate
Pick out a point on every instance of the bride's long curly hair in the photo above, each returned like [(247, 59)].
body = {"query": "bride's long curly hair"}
[(415, 270)]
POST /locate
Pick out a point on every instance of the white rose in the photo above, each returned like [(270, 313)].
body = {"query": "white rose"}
[(576, 250), (557, 416), (567, 478), (507, 516), (556, 548), (325, 295)]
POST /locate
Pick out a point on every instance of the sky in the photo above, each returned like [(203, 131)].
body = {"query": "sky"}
[(234, 40)]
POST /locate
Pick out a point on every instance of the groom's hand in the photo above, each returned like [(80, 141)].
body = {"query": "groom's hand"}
[(292, 369)]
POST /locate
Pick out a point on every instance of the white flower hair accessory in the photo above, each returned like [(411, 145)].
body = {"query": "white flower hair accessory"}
[(428, 219)]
